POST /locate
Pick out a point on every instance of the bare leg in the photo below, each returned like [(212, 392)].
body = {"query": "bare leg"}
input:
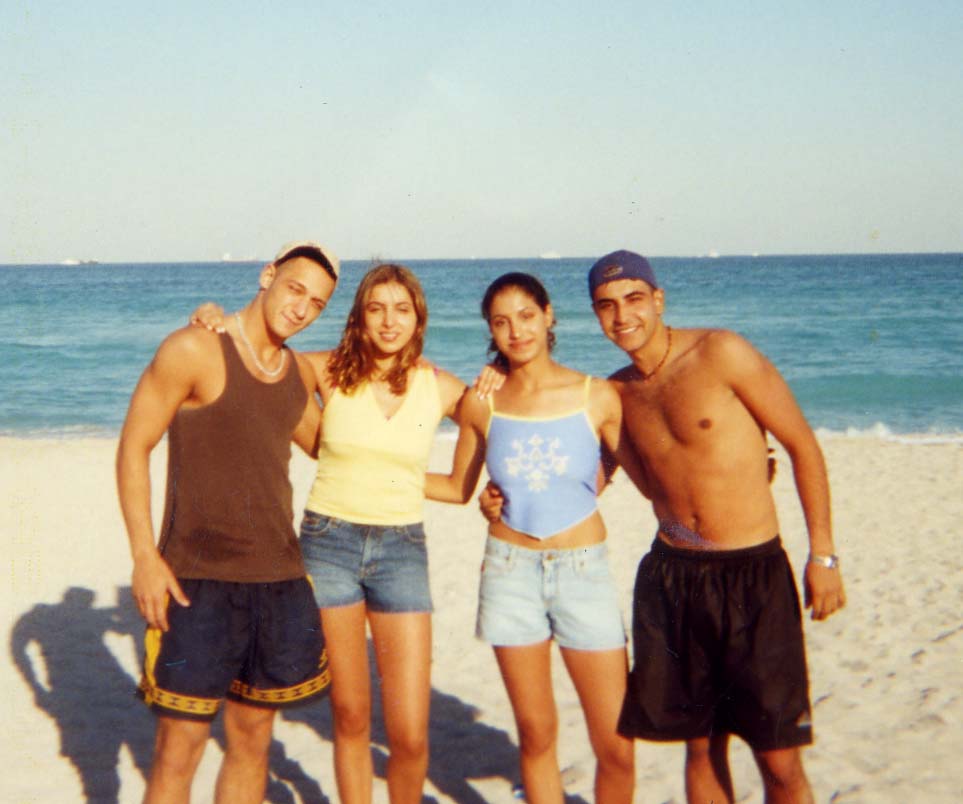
[(244, 769), (345, 638), (403, 651), (527, 673), (783, 776), (600, 678), (707, 776), (178, 748)]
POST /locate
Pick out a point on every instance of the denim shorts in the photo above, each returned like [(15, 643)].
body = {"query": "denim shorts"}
[(385, 566), (528, 596)]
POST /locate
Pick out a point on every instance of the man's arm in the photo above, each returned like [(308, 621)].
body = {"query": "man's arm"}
[(617, 449), (307, 435), (166, 383), (767, 396)]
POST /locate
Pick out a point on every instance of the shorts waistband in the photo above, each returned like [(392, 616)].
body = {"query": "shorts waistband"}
[(337, 520), (498, 547), (764, 550)]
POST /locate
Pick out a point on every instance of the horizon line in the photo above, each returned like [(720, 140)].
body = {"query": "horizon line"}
[(713, 255)]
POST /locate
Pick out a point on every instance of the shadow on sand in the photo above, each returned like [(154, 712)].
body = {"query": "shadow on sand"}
[(91, 698)]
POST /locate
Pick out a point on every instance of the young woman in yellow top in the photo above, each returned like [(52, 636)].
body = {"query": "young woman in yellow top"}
[(362, 535)]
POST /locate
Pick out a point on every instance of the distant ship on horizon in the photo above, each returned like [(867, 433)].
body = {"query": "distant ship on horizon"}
[(550, 255), (79, 262)]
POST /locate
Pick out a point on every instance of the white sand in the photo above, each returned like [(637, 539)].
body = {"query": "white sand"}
[(886, 673)]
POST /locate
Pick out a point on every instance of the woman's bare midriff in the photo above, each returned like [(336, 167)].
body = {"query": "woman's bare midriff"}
[(590, 531)]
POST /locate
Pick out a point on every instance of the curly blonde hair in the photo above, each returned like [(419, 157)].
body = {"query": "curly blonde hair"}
[(352, 361)]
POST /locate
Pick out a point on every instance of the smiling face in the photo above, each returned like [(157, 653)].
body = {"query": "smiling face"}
[(519, 325), (390, 318), (295, 293), (629, 312)]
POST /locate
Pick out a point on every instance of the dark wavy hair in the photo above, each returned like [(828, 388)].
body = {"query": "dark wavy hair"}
[(352, 361), (531, 287)]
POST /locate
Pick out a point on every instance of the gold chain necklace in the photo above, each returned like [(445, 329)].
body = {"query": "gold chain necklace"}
[(668, 346), (250, 349)]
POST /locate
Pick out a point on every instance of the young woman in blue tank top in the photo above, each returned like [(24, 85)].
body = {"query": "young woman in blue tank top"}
[(545, 575)]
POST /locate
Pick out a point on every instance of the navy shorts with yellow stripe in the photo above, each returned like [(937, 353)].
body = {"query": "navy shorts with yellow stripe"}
[(257, 643)]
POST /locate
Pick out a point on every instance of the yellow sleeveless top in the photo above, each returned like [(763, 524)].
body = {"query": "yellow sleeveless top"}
[(371, 469)]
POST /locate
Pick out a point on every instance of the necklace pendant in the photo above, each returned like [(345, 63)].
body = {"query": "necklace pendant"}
[(668, 347)]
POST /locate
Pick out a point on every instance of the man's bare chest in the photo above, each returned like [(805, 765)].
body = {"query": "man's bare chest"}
[(679, 412)]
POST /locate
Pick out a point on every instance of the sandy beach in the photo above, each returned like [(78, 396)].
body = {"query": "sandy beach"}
[(886, 673)]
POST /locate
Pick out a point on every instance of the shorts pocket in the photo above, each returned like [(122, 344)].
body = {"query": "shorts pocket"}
[(497, 563), (314, 524), (595, 569), (413, 534)]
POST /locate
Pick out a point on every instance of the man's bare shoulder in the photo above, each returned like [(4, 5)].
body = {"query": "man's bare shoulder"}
[(190, 345), (725, 349)]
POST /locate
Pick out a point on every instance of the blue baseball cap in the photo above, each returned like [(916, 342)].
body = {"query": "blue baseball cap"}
[(620, 265)]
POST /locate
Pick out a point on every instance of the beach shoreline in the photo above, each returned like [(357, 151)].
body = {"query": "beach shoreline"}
[(886, 672)]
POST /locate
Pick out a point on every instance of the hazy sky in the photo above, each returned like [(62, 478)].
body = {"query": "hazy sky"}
[(183, 131)]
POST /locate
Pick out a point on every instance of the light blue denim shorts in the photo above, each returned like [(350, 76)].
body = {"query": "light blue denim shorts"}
[(386, 566), (528, 596)]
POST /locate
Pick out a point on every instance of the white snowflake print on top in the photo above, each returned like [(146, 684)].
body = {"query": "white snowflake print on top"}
[(536, 461)]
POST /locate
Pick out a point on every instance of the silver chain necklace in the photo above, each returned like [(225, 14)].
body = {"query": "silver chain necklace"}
[(250, 349)]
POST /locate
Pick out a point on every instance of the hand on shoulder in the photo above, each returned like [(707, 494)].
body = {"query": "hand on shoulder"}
[(209, 315)]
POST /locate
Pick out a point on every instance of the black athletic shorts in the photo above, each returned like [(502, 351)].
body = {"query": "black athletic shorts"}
[(718, 648), (257, 643)]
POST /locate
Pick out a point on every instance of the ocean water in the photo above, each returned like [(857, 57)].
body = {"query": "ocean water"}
[(869, 343)]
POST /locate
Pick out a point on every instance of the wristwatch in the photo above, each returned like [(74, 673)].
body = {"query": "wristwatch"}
[(830, 561)]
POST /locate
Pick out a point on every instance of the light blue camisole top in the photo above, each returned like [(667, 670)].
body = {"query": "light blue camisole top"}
[(546, 468)]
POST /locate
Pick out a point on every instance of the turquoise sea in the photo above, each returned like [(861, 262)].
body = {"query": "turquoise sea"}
[(869, 343)]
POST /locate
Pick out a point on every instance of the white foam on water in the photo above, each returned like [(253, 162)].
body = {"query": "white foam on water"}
[(881, 432)]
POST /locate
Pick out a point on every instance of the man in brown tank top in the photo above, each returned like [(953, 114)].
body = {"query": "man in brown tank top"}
[(225, 589)]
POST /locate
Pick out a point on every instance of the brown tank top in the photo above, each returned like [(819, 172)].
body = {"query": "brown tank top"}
[(228, 514)]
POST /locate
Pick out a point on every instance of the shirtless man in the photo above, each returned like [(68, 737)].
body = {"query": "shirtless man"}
[(717, 628), (229, 610)]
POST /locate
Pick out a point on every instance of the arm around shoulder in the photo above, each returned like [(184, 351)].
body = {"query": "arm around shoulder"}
[(307, 434), (616, 446), (319, 363)]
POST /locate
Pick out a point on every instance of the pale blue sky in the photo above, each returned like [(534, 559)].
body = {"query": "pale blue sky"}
[(183, 131)]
